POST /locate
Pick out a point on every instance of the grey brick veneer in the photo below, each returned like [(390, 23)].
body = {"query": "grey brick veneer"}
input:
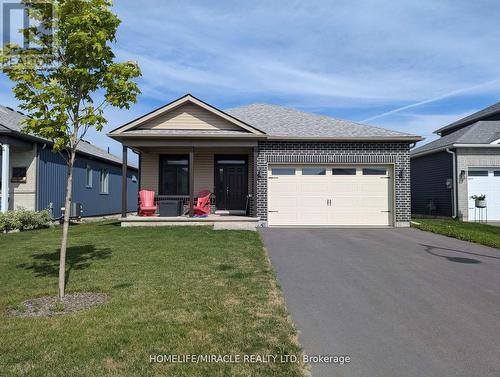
[(397, 153)]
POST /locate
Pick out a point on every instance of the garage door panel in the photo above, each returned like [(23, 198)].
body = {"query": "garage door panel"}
[(283, 218), (312, 203), (343, 188), (285, 202), (284, 186), (488, 185), (329, 199), (315, 187), (312, 219), (375, 202)]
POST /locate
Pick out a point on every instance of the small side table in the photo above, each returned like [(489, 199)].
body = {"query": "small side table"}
[(169, 208), (481, 214)]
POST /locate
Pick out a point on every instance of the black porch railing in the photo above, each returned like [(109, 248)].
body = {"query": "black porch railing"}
[(184, 199)]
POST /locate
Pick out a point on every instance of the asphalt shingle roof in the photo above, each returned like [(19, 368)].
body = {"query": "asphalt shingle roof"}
[(285, 122), (12, 120), (482, 132), (481, 114)]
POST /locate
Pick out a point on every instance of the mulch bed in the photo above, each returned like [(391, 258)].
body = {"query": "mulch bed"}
[(49, 305)]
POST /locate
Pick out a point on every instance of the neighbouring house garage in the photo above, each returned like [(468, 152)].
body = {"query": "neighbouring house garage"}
[(463, 162), (319, 195), (484, 181)]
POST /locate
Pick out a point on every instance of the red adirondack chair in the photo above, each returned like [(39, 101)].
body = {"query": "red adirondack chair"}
[(147, 205), (202, 206)]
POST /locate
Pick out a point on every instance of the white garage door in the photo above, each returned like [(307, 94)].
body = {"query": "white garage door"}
[(329, 195), (485, 181)]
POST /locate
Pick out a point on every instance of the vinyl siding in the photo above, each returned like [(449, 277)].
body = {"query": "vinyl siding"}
[(204, 169), (53, 170), (428, 183), (189, 117), (22, 194)]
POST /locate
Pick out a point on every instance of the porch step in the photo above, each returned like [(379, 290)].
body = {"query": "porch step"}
[(236, 222), (236, 226)]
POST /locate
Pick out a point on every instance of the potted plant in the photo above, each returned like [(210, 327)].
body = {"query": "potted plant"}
[(480, 200)]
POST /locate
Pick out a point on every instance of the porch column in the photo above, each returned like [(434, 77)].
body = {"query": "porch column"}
[(191, 182), (124, 181), (5, 177), (254, 181)]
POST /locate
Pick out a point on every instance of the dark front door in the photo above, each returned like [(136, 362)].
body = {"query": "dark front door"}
[(231, 182)]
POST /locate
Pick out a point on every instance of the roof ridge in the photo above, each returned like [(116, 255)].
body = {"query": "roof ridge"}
[(12, 116), (329, 117), (472, 117)]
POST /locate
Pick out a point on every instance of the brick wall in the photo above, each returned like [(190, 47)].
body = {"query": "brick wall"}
[(396, 153)]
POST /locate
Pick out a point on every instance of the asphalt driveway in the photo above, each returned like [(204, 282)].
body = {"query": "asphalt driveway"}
[(399, 302)]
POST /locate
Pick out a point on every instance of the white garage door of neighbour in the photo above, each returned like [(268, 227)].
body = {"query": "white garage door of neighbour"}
[(484, 181), (329, 195)]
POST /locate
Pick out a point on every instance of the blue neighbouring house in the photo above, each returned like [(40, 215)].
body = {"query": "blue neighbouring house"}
[(36, 176)]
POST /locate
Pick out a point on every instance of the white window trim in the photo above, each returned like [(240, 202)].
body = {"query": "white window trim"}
[(88, 182), (104, 183)]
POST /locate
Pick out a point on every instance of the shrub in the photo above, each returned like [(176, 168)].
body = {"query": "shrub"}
[(23, 219), (8, 221)]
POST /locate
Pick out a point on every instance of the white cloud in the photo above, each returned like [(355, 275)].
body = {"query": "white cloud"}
[(355, 60), (373, 52), (421, 124)]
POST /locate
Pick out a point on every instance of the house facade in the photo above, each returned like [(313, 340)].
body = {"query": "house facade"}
[(36, 176), (463, 162), (281, 166)]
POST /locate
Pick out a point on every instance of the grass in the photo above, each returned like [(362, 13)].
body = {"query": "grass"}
[(173, 290), (57, 307), (483, 234)]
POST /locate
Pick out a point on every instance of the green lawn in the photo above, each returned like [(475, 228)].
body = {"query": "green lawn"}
[(484, 234), (173, 290)]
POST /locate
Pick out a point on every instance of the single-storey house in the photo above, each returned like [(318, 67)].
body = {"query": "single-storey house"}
[(463, 162), (278, 166), (34, 177)]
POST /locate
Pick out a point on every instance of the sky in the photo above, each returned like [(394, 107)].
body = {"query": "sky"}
[(408, 65)]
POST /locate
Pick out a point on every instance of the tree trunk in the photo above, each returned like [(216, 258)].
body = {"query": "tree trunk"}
[(67, 212)]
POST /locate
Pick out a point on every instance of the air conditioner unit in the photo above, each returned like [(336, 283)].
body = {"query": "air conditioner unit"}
[(76, 210)]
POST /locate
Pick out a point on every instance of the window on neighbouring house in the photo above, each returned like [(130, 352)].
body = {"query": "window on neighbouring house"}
[(104, 181), (18, 175), (88, 176), (496, 173), (478, 173), (174, 175)]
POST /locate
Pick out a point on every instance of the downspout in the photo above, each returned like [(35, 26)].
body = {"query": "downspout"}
[(455, 183)]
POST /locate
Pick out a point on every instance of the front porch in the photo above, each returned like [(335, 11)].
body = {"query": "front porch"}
[(187, 147), (177, 175)]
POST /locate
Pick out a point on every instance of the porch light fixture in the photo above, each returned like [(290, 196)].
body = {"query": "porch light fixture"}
[(462, 175)]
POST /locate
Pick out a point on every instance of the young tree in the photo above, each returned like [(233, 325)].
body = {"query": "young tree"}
[(68, 78)]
